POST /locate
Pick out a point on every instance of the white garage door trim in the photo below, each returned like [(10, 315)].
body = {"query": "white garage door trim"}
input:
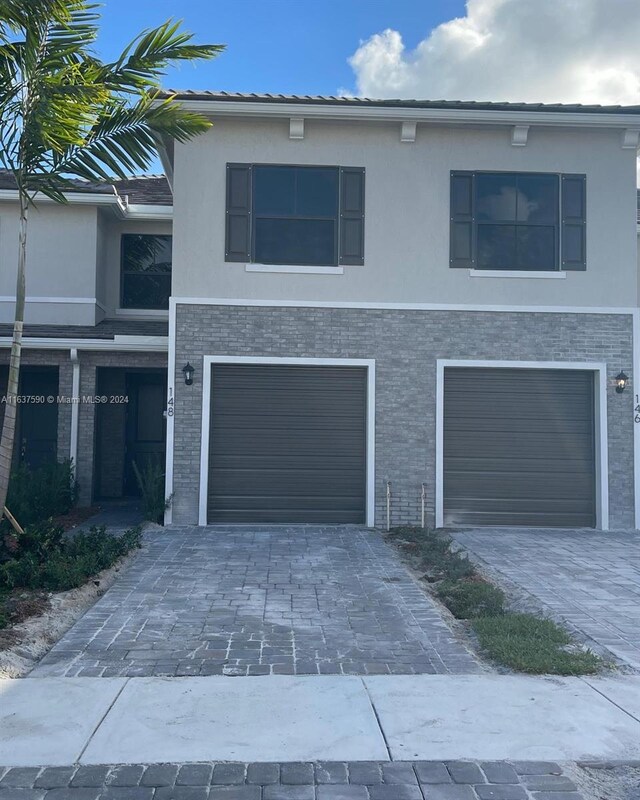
[(601, 438), (209, 361)]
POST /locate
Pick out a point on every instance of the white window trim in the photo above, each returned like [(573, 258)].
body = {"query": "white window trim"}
[(600, 414), (295, 269), (507, 273), (209, 361)]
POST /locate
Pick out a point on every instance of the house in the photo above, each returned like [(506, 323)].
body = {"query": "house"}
[(378, 310), (98, 283)]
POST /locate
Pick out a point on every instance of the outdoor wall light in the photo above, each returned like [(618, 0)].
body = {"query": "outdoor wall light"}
[(621, 382), (188, 371)]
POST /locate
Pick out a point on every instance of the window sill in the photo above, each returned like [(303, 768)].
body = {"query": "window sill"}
[(505, 273), (293, 268)]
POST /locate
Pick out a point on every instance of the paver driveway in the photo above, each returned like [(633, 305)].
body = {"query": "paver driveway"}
[(259, 600), (590, 579)]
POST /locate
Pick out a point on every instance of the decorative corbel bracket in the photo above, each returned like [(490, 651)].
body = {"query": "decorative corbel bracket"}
[(296, 128), (631, 139), (519, 135), (408, 131)]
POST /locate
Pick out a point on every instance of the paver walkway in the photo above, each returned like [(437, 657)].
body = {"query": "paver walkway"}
[(261, 600), (360, 780), (590, 579)]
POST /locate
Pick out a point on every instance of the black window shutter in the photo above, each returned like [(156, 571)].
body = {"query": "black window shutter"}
[(351, 238), (238, 222), (461, 249), (574, 222)]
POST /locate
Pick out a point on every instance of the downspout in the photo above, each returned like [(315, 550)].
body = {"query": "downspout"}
[(75, 406)]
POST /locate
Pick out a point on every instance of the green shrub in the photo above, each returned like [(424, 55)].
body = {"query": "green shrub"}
[(534, 645), (151, 483), (471, 599), (70, 563), (35, 495)]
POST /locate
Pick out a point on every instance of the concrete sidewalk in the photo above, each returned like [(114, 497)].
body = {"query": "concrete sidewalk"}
[(64, 721)]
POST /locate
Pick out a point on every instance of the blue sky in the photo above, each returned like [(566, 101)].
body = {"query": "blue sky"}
[(290, 46)]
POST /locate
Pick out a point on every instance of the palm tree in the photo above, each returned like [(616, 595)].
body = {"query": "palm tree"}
[(66, 114)]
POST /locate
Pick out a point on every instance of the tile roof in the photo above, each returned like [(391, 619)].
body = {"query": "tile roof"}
[(146, 190), (138, 189), (189, 94), (107, 329)]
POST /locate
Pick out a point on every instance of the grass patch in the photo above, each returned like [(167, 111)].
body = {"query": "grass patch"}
[(522, 642), (530, 644), (471, 599)]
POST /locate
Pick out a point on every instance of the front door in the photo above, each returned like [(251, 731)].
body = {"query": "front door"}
[(37, 429), (146, 425)]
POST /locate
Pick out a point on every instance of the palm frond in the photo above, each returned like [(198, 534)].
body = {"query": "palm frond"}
[(144, 60)]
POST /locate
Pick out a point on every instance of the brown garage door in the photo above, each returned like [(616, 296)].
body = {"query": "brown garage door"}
[(519, 447), (287, 444)]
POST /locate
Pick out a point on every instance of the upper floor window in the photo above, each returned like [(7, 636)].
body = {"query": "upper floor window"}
[(145, 278), (297, 215), (517, 221)]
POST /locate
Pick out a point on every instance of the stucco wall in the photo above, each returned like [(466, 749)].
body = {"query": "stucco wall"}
[(405, 346), (110, 278), (61, 262), (407, 212)]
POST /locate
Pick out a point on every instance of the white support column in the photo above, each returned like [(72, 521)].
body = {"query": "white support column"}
[(75, 406), (171, 397), (635, 388)]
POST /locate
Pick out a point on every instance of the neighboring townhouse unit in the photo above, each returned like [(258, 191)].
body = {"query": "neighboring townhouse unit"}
[(98, 286), (378, 310), (403, 302)]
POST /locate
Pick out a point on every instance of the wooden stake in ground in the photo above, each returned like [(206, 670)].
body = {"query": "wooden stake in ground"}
[(14, 522)]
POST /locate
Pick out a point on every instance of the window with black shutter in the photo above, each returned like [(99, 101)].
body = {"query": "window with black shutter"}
[(522, 221), (299, 215)]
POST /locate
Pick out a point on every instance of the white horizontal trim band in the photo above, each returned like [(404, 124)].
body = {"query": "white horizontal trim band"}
[(63, 300), (232, 301), (507, 273), (292, 268), (150, 344)]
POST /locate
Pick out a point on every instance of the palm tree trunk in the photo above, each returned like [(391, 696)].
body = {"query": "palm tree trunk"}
[(11, 405)]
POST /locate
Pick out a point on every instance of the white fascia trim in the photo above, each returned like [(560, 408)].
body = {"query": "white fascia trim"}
[(7, 298), (78, 198), (500, 273), (171, 394), (208, 361), (292, 268), (148, 211), (602, 450), (224, 108), (146, 344), (229, 301)]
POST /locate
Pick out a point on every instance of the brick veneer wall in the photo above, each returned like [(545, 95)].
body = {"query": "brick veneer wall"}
[(405, 345), (89, 362)]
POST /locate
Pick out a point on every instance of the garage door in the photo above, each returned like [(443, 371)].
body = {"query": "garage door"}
[(519, 447), (287, 444)]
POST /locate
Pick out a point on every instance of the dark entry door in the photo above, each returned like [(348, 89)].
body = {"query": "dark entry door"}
[(146, 425), (519, 447), (287, 444)]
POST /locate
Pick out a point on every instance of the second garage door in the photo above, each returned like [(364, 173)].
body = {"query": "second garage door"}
[(519, 447), (287, 444)]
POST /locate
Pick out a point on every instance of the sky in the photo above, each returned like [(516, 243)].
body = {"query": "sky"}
[(584, 51)]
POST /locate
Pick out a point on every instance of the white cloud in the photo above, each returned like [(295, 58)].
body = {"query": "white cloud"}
[(571, 51)]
